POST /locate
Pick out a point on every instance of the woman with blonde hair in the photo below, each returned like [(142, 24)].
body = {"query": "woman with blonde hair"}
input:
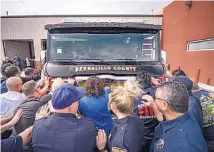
[(128, 131), (133, 87)]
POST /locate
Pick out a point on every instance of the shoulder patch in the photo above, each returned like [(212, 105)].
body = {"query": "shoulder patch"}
[(116, 149)]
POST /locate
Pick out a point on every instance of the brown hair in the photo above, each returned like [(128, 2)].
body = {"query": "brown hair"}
[(94, 86)]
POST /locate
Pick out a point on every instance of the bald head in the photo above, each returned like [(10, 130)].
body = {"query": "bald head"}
[(14, 84)]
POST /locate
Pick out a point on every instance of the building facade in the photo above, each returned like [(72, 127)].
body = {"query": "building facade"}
[(29, 34), (188, 38)]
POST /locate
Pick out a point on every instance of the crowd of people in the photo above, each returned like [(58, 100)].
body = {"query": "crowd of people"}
[(143, 115)]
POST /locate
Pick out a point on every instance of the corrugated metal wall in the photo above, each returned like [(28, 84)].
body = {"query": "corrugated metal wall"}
[(33, 27)]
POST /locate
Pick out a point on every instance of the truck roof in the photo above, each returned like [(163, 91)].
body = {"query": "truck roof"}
[(135, 25)]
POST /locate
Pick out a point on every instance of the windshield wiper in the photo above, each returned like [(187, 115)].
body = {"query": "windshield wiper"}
[(126, 59), (95, 60)]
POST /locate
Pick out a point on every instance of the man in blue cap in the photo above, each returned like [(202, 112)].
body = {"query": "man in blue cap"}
[(63, 131)]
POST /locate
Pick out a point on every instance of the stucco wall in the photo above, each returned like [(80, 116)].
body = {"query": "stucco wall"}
[(182, 24)]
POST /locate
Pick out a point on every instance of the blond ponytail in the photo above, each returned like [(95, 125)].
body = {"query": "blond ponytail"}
[(122, 99), (133, 87)]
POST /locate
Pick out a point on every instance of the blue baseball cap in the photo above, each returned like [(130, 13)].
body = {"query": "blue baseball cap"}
[(184, 80), (65, 96)]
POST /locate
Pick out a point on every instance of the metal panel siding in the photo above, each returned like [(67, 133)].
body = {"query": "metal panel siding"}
[(33, 27)]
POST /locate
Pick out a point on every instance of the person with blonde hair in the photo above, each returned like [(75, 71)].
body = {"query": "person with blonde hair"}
[(134, 87), (58, 82), (128, 131)]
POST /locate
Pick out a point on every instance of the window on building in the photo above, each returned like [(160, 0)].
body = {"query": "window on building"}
[(200, 45)]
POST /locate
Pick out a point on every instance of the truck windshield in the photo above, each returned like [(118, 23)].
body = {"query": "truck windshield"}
[(85, 46)]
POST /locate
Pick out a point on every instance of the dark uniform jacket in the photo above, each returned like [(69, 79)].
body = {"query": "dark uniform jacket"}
[(64, 133), (182, 134), (127, 135), (12, 144)]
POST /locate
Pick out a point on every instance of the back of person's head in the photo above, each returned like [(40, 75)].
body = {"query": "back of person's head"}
[(58, 82), (173, 96), (14, 84), (29, 72), (94, 86), (30, 89), (12, 71), (133, 87), (145, 80), (178, 72), (121, 100), (195, 87), (184, 80), (3, 67)]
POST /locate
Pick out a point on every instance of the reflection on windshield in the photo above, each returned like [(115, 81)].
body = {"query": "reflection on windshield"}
[(83, 46)]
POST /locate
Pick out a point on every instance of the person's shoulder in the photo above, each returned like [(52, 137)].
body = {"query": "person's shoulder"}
[(191, 127), (45, 98), (136, 119), (12, 143), (40, 123), (84, 99), (86, 123)]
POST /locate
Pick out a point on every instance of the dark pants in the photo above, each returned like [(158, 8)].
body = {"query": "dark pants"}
[(146, 146), (210, 145)]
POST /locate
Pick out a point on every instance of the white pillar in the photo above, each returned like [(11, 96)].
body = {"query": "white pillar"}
[(2, 51), (37, 49)]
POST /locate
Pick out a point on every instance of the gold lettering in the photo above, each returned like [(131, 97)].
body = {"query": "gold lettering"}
[(119, 68), (134, 68), (115, 68), (89, 68), (127, 68), (80, 68), (108, 68), (84, 69), (76, 69), (123, 68), (92, 68)]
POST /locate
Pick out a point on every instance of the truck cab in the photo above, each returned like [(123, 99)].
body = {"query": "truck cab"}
[(112, 51)]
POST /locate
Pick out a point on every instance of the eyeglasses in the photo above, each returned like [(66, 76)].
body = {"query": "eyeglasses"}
[(161, 99)]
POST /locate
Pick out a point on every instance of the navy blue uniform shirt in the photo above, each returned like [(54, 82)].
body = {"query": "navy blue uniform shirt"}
[(182, 134), (12, 144), (3, 87), (195, 109), (127, 135), (63, 133)]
